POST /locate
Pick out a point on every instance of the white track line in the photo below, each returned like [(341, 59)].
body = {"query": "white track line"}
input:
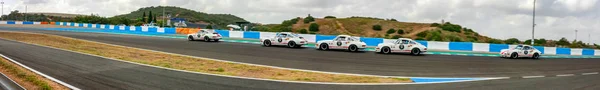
[(40, 73), (592, 73), (478, 78), (565, 75), (533, 76)]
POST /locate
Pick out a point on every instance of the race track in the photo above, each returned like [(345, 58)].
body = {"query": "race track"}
[(303, 58)]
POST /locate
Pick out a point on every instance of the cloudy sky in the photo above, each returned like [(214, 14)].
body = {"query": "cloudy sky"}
[(495, 18)]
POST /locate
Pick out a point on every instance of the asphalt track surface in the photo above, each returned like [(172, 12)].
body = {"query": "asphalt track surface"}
[(349, 62), (101, 73)]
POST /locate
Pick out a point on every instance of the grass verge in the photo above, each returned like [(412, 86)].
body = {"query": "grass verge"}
[(189, 63), (26, 78)]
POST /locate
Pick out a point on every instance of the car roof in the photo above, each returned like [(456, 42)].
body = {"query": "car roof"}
[(285, 33), (344, 35), (405, 39)]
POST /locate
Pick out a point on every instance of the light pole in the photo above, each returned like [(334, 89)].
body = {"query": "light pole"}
[(533, 25)]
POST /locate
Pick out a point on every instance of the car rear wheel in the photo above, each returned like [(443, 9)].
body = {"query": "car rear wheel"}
[(415, 51), (353, 48), (324, 46), (292, 44), (267, 43), (206, 39), (386, 50), (536, 56), (190, 38)]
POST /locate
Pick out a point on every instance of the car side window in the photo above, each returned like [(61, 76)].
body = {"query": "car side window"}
[(412, 42), (404, 41), (526, 48), (341, 39)]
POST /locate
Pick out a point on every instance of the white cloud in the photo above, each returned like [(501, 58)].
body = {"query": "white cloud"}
[(496, 18)]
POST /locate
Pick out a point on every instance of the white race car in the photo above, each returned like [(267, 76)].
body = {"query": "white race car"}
[(342, 42), (521, 51), (206, 35), (402, 45), (284, 38)]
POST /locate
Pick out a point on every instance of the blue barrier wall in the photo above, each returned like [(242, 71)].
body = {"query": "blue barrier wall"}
[(466, 46), (27, 22), (540, 48), (138, 29), (106, 26), (89, 25), (498, 47), (98, 25), (10, 22), (80, 24), (127, 28), (424, 43), (253, 35), (153, 30), (371, 41), (224, 33), (171, 31), (566, 51), (64, 23), (589, 52), (319, 37)]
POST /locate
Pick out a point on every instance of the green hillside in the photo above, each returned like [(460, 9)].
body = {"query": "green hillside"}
[(190, 15)]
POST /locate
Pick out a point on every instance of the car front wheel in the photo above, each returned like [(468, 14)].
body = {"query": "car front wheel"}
[(324, 47), (190, 38)]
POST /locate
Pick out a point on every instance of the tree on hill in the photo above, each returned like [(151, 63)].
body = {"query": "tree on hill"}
[(154, 18), (149, 17), (563, 42), (309, 19), (512, 41), (218, 20), (314, 27), (377, 27), (303, 31), (330, 17), (400, 31), (209, 26), (145, 18), (390, 31)]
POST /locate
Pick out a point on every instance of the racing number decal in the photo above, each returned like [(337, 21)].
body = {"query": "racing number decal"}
[(526, 52), (401, 47), (279, 40), (339, 43)]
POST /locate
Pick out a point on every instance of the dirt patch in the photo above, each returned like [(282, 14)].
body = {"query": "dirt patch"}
[(26, 78), (189, 63)]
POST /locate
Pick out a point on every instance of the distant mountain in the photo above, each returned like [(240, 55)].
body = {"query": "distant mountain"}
[(191, 16)]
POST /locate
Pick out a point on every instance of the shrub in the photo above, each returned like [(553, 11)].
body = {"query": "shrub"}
[(309, 19), (423, 34), (512, 41), (419, 38), (453, 38), (330, 17), (314, 27), (393, 19), (286, 29), (434, 36), (435, 25), (400, 31), (209, 27), (396, 36), (391, 31), (494, 41), (377, 27), (303, 31)]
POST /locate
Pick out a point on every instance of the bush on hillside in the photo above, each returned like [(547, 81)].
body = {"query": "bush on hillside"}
[(435, 36), (314, 27), (495, 41), (453, 38), (451, 27), (419, 38), (512, 41), (423, 34), (435, 25), (377, 27), (396, 37), (400, 31), (330, 17), (303, 31), (309, 19), (393, 19), (391, 31)]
